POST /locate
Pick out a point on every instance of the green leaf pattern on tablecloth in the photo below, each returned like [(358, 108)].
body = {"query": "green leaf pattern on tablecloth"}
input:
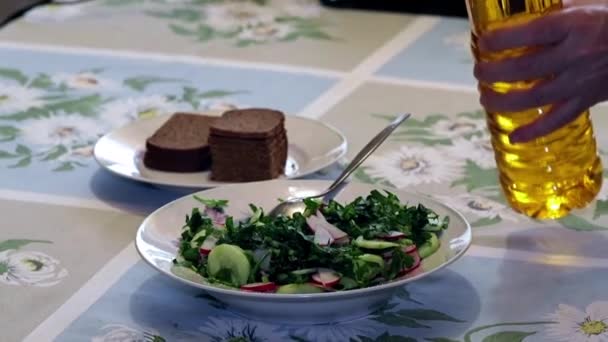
[(56, 119), (20, 267), (455, 151), (242, 23), (566, 323)]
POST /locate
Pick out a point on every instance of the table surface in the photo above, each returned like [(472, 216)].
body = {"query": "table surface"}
[(68, 74)]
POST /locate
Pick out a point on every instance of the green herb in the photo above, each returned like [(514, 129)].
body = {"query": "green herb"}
[(278, 246)]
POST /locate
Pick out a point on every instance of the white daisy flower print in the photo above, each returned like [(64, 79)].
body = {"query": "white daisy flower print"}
[(84, 80), (410, 166), (265, 32), (121, 112), (15, 98), (477, 149), (481, 207), (232, 16), (54, 13), (574, 325), (458, 127), (123, 333), (226, 329), (61, 129), (335, 332), (30, 268), (298, 8)]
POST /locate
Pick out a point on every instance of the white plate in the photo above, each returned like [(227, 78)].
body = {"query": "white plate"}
[(312, 147), (158, 236)]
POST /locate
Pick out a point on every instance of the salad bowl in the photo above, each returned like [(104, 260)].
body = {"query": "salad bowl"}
[(158, 243)]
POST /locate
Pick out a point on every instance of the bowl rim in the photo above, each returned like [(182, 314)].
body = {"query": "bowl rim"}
[(325, 295)]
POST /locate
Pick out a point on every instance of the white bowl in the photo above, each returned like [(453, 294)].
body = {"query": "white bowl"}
[(158, 236)]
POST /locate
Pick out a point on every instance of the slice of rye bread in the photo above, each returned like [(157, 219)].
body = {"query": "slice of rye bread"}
[(248, 164), (235, 173), (251, 123), (218, 144), (248, 145), (180, 144)]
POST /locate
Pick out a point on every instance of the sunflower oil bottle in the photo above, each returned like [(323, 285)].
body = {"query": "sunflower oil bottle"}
[(548, 177)]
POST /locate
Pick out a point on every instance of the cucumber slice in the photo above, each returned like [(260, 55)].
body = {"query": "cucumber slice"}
[(299, 288), (304, 271), (199, 235), (429, 247), (374, 244), (372, 258), (188, 274), (229, 263)]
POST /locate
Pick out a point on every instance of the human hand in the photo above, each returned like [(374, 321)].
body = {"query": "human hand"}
[(571, 56)]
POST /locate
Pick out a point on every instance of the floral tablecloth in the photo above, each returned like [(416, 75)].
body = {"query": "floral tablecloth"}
[(69, 73)]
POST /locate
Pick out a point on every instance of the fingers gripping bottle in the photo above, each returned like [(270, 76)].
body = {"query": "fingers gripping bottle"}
[(548, 177)]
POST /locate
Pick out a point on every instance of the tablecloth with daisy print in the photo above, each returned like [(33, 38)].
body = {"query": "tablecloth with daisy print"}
[(70, 73)]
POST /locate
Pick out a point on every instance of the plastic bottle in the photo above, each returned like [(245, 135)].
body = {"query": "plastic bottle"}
[(548, 177)]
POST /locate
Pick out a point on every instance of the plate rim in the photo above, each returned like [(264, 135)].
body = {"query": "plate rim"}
[(342, 148), (326, 295)]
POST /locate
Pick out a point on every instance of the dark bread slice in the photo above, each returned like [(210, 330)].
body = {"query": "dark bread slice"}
[(180, 144), (248, 164), (251, 123), (269, 144)]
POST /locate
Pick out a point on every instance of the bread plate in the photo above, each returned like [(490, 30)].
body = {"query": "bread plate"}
[(157, 241), (313, 146)]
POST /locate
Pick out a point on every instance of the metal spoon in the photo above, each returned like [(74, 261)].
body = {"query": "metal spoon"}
[(296, 205)]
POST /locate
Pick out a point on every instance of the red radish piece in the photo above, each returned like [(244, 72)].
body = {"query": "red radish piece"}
[(321, 286), (322, 237), (326, 277), (414, 266), (343, 241), (410, 249), (260, 287), (394, 235), (319, 221), (208, 245), (217, 216)]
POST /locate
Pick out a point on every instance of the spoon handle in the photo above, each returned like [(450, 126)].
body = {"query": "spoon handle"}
[(365, 153)]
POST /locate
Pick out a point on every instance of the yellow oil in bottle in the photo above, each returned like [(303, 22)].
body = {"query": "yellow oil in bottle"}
[(548, 177)]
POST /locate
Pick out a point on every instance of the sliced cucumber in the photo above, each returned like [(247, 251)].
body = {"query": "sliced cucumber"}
[(405, 242), (200, 235), (429, 247), (188, 274), (304, 271), (299, 288), (372, 258), (229, 263), (374, 244)]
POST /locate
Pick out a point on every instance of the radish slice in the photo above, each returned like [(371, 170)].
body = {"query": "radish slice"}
[(208, 245), (322, 237), (343, 241), (410, 249), (319, 221), (326, 277), (260, 287), (414, 266), (321, 286), (394, 235), (218, 217)]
